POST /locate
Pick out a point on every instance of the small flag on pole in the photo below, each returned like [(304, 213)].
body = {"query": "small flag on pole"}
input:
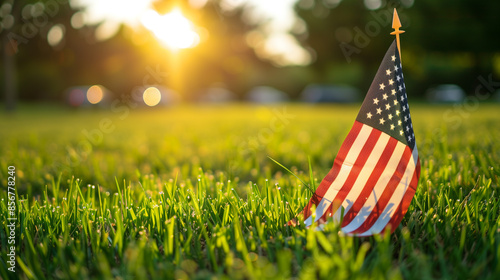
[(375, 173)]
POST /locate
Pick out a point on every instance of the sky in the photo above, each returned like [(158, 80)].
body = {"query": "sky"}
[(278, 45)]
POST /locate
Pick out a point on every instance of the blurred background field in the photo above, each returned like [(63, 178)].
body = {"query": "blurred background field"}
[(227, 50)]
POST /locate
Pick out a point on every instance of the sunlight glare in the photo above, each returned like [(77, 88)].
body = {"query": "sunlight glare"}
[(116, 11), (173, 29), (109, 15)]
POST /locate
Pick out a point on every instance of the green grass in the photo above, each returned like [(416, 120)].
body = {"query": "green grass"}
[(190, 192)]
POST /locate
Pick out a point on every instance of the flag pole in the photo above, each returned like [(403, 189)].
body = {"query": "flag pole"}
[(396, 24)]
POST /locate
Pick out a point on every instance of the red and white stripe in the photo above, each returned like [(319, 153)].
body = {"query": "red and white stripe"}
[(373, 178)]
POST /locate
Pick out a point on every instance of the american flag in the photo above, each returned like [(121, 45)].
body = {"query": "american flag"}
[(375, 173)]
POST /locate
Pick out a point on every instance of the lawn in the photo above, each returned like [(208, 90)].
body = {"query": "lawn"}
[(190, 192)]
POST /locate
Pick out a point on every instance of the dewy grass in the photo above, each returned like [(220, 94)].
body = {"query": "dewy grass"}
[(190, 192)]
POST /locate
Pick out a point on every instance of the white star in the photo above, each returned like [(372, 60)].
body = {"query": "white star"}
[(387, 106), (392, 127), (393, 92), (369, 115), (379, 111), (404, 108), (390, 116), (409, 138), (388, 72), (393, 58), (398, 78), (396, 68), (402, 98), (382, 121), (382, 86), (400, 88), (391, 82), (407, 128), (385, 96), (406, 118), (375, 101)]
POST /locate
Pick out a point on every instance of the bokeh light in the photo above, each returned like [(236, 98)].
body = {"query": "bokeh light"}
[(78, 20), (373, 4), (55, 35), (95, 94), (151, 96), (7, 21)]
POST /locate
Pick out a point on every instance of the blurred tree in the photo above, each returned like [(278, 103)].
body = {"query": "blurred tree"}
[(345, 45), (455, 25), (9, 15), (454, 39), (446, 41), (28, 27)]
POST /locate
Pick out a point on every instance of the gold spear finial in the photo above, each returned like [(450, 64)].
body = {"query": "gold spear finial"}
[(396, 24)]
